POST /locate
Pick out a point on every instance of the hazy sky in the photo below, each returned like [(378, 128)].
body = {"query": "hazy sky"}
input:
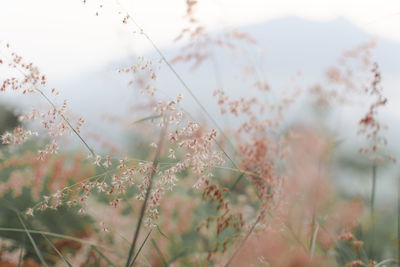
[(66, 37)]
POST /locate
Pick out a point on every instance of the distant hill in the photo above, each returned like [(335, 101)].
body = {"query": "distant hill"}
[(293, 44)]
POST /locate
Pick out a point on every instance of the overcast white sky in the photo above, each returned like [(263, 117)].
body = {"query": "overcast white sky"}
[(65, 37)]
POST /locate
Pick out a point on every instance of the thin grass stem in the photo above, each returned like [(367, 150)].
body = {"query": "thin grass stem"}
[(144, 205), (140, 249), (57, 251), (373, 193), (35, 247)]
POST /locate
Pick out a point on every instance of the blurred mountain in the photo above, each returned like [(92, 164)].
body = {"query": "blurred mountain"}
[(292, 44), (309, 45)]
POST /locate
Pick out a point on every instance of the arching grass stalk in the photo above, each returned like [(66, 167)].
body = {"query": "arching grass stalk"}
[(187, 88), (180, 79), (62, 116), (67, 122), (176, 74)]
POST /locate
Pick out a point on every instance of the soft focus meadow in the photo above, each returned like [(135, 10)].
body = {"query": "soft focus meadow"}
[(190, 189)]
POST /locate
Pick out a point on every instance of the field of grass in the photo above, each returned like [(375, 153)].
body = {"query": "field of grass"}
[(189, 192)]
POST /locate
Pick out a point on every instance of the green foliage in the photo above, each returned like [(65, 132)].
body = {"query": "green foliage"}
[(62, 221), (17, 199), (8, 120)]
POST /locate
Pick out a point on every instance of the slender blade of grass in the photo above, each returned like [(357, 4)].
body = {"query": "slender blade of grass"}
[(242, 243), (141, 246), (103, 256), (33, 242), (57, 251), (5, 229), (237, 181), (158, 251), (20, 252), (159, 230), (175, 258), (146, 119), (387, 261), (314, 239)]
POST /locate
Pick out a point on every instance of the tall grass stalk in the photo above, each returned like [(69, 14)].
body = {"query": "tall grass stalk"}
[(373, 191), (21, 250), (398, 220), (144, 205), (314, 225), (35, 247)]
